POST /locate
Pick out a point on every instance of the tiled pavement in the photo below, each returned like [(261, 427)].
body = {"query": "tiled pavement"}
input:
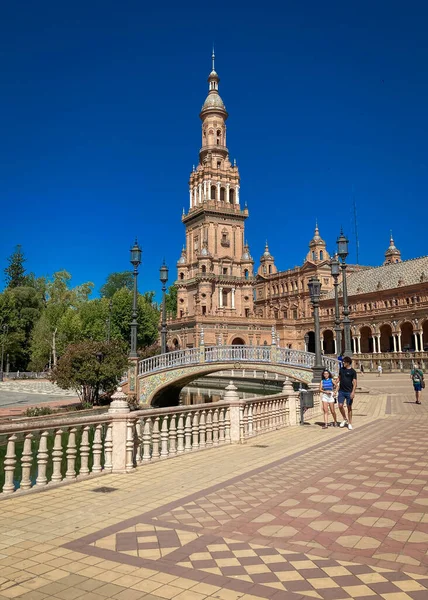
[(301, 513)]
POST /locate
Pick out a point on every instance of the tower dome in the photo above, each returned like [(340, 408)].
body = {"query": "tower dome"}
[(393, 254), (317, 239), (213, 101), (317, 248)]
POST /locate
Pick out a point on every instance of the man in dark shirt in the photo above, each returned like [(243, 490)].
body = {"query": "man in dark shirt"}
[(347, 385)]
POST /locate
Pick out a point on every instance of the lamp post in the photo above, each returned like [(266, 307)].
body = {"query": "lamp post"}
[(342, 251), (314, 286), (163, 271), (306, 338), (5, 330), (335, 271), (135, 261)]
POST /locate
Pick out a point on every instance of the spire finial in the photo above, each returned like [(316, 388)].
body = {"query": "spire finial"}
[(213, 59), (391, 239), (316, 227)]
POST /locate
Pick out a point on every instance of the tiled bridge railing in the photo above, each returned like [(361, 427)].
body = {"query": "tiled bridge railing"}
[(45, 452)]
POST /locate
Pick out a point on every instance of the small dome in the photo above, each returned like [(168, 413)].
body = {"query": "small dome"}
[(392, 249), (213, 101), (266, 254), (317, 239), (182, 260)]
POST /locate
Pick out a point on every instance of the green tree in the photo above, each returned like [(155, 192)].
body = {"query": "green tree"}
[(147, 317), (171, 301), (90, 368), (20, 309), (60, 320), (15, 271), (115, 282)]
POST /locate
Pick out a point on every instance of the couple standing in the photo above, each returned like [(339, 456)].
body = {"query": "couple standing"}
[(346, 383)]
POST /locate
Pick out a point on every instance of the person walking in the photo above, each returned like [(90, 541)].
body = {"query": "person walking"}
[(417, 377), (327, 397), (362, 369), (379, 370), (347, 386)]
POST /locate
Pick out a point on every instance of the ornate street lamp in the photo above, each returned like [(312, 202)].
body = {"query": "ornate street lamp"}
[(163, 271), (136, 262), (306, 338), (335, 271), (5, 329), (314, 286), (342, 251)]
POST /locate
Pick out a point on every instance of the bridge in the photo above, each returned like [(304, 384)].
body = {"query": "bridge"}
[(159, 379)]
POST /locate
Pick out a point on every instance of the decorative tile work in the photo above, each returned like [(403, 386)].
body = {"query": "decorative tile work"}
[(345, 519)]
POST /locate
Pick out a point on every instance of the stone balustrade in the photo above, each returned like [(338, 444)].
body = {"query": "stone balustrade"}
[(41, 452)]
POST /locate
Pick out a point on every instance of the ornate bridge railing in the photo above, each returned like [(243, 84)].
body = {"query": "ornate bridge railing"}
[(245, 354)]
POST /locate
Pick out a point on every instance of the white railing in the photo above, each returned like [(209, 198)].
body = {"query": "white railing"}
[(178, 358), (237, 354), (41, 451), (251, 354)]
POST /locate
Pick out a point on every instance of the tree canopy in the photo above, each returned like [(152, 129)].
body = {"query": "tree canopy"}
[(15, 271), (115, 282)]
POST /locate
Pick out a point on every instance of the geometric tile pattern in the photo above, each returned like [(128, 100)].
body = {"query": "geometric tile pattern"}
[(297, 526)]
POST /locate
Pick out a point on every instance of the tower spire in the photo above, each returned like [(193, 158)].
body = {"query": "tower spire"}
[(213, 59)]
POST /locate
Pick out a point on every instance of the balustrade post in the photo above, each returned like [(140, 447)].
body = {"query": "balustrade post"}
[(236, 415), (155, 439), (108, 448), (292, 401), (26, 461), (130, 447), (97, 448), (138, 442), (202, 429), (42, 459), (180, 434), (164, 437), (172, 436), (71, 454), (9, 465), (209, 428), (215, 427), (84, 452), (250, 421), (188, 433), (195, 431), (221, 436), (147, 435), (119, 414)]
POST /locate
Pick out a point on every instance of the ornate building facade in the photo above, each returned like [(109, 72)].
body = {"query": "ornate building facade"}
[(222, 300)]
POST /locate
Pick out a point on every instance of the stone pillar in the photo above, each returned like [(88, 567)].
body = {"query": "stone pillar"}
[(394, 340), (119, 413), (374, 344), (415, 337), (205, 190), (228, 193), (237, 195), (292, 401), (399, 342), (195, 201), (359, 344), (233, 297), (421, 341), (379, 349), (236, 410), (200, 192), (220, 297), (190, 199), (335, 346), (218, 191)]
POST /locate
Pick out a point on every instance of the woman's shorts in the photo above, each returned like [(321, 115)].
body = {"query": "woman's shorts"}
[(327, 398), (417, 386)]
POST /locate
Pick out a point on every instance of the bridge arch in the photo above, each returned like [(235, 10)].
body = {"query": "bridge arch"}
[(163, 389)]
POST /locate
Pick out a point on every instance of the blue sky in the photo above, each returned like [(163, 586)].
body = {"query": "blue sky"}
[(99, 126)]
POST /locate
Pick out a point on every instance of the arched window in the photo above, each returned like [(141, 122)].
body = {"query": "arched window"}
[(232, 196), (246, 274), (270, 268), (314, 256), (321, 255), (222, 194), (213, 192), (181, 275), (203, 269)]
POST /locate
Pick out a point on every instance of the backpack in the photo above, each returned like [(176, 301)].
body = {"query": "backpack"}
[(416, 376)]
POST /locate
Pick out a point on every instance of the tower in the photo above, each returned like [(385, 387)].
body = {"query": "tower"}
[(215, 270), (393, 254), (267, 263), (317, 248)]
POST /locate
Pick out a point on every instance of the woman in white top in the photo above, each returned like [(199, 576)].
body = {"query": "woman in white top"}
[(327, 389)]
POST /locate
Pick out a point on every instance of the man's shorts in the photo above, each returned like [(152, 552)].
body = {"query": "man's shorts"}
[(345, 396), (417, 386)]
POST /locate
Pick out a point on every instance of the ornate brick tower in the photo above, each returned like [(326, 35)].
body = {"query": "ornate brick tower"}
[(215, 271)]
